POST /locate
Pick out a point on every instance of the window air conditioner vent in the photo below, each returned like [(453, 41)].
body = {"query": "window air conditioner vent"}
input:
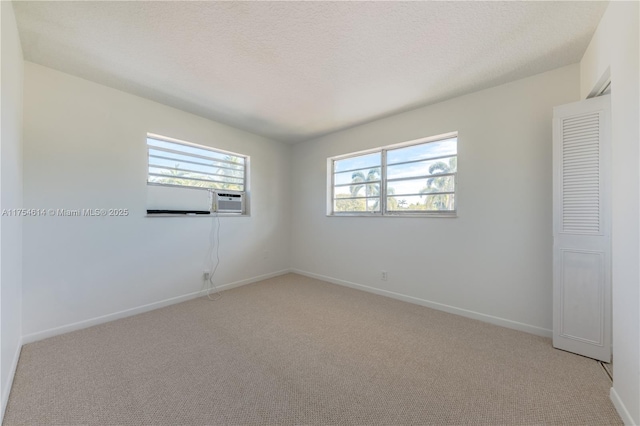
[(228, 202)]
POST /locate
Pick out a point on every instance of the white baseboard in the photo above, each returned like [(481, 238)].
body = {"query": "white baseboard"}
[(33, 337), (532, 329), (620, 408), (6, 387)]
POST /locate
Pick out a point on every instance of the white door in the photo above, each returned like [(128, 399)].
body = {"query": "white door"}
[(582, 228)]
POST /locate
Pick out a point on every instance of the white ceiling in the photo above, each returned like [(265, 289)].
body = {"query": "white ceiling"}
[(292, 71)]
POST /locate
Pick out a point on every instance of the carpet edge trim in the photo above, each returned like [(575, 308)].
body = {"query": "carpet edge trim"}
[(621, 408), (503, 322), (40, 335)]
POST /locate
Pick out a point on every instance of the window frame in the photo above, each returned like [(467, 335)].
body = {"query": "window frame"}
[(383, 181), (245, 177)]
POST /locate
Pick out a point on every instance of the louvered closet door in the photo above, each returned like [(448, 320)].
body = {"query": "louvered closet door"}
[(581, 228)]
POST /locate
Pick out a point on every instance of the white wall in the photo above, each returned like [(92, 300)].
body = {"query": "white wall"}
[(491, 262), (10, 198), (614, 51), (85, 147)]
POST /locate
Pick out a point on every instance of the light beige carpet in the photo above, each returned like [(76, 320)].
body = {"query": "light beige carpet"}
[(294, 350)]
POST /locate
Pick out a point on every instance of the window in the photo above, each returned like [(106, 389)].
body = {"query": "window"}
[(182, 164), (416, 178)]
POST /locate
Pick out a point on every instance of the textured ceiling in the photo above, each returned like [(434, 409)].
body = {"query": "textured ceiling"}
[(292, 71)]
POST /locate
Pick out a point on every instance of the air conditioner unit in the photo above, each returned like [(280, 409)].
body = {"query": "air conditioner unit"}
[(228, 202)]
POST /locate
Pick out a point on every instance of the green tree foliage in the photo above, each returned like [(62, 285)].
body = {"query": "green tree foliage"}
[(371, 184), (349, 204), (438, 183), (226, 173)]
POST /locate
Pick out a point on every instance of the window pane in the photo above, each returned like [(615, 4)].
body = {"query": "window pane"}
[(359, 162), (372, 174), (423, 168), (417, 178), (423, 151), (228, 161), (421, 186), (163, 157), (438, 202), (193, 175), (371, 205), (187, 167), (181, 181), (360, 190), (439, 184), (188, 149), (197, 168)]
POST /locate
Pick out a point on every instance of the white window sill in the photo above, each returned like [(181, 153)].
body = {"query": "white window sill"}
[(450, 215), (198, 215)]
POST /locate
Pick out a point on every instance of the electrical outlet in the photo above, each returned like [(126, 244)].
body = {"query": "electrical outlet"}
[(205, 275), (383, 275)]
